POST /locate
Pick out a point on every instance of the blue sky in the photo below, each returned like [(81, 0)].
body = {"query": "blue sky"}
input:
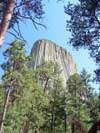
[(55, 21)]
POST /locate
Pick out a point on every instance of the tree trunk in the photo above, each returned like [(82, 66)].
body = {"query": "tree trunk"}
[(45, 86), (73, 127), (4, 111), (95, 127), (25, 127), (7, 15), (52, 122), (65, 123)]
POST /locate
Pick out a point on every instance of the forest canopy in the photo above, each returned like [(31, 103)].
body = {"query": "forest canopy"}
[(29, 107)]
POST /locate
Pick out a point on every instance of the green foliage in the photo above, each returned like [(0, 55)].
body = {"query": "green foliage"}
[(26, 96), (85, 77), (56, 107), (47, 74), (75, 99), (84, 24), (32, 109)]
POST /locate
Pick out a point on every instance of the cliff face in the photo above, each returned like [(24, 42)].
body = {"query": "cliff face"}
[(45, 50)]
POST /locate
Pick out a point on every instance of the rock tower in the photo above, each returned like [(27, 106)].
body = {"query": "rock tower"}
[(46, 50)]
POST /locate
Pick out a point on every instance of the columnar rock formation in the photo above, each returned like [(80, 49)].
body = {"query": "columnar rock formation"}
[(45, 50)]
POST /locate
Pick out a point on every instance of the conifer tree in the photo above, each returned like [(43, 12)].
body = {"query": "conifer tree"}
[(23, 96), (84, 25), (13, 67), (12, 12), (76, 90)]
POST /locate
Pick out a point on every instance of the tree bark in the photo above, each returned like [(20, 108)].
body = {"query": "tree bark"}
[(52, 122), (65, 123), (25, 127), (95, 127), (45, 87), (4, 111), (73, 127), (7, 15)]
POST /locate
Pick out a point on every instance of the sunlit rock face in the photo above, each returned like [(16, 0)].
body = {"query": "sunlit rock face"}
[(46, 50)]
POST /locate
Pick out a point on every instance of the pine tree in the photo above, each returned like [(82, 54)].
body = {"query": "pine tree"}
[(76, 90), (13, 12), (47, 73), (84, 24), (49, 76), (23, 96), (12, 76)]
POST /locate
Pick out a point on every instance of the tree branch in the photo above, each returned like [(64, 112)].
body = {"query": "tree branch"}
[(96, 18), (33, 21), (19, 31), (12, 34)]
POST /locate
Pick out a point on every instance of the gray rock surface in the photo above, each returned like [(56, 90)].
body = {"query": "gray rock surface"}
[(46, 50)]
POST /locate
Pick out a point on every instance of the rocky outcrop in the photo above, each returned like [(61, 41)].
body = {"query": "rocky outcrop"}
[(45, 50)]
